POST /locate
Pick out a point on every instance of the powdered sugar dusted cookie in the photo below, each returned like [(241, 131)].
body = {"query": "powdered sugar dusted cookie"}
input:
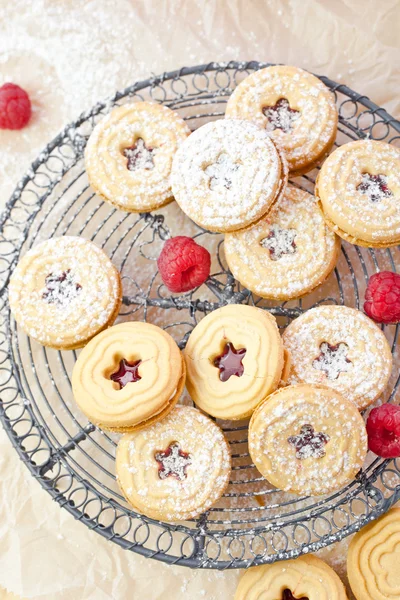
[(307, 439), (129, 155), (175, 469), (341, 348), (287, 253), (359, 191), (64, 291), (294, 107), (227, 175)]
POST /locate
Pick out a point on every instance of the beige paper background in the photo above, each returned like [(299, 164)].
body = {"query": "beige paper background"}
[(69, 54)]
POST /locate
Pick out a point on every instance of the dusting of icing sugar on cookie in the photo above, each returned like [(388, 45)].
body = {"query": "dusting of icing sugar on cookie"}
[(61, 288), (333, 359), (375, 187), (139, 156), (280, 116), (173, 462), (308, 443), (221, 173), (280, 241)]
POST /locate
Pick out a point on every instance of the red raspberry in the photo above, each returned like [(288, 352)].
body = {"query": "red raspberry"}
[(15, 107), (183, 264), (383, 428), (382, 297)]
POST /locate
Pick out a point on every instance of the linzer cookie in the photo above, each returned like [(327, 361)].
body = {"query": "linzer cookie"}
[(296, 109), (128, 157), (227, 175), (64, 291), (234, 359), (359, 191), (175, 469), (307, 439), (128, 376), (287, 253), (304, 578), (341, 348)]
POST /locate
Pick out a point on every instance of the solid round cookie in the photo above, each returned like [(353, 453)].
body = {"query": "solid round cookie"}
[(303, 578), (359, 190), (294, 107), (307, 439), (234, 359), (64, 291), (129, 154), (227, 175), (373, 559), (175, 469), (287, 253), (341, 348), (128, 376)]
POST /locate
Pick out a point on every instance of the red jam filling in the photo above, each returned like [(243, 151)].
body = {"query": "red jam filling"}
[(173, 462), (281, 116), (230, 362), (375, 187), (308, 443), (287, 595), (128, 372), (60, 288), (139, 156), (332, 360), (279, 242)]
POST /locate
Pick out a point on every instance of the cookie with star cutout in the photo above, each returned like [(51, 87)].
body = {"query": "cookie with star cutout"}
[(294, 107), (128, 157), (287, 253), (128, 377), (341, 348), (175, 469), (64, 291), (307, 439), (358, 188)]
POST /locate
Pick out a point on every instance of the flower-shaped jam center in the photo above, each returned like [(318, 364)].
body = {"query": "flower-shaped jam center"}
[(173, 462), (287, 595), (61, 288), (280, 116), (139, 156), (230, 362), (279, 242), (375, 187), (128, 372), (308, 443), (333, 360), (221, 173)]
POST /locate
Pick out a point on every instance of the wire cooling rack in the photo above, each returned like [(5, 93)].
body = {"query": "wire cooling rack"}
[(74, 462)]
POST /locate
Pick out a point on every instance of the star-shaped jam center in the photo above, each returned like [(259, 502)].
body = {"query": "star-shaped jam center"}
[(221, 172), (309, 444), (139, 156), (280, 116), (128, 372), (375, 187), (287, 595), (173, 462), (333, 360), (279, 242), (230, 362), (61, 288)]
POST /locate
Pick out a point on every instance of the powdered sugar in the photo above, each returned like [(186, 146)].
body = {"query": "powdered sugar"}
[(333, 360), (279, 242)]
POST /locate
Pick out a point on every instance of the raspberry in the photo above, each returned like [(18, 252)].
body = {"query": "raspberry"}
[(183, 264), (383, 428), (15, 107), (382, 297)]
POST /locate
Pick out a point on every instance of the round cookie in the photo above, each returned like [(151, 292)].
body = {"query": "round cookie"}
[(227, 175), (373, 559), (359, 190), (129, 376), (287, 253), (128, 157), (341, 348), (234, 359), (64, 291), (307, 439), (303, 578), (294, 107), (175, 469)]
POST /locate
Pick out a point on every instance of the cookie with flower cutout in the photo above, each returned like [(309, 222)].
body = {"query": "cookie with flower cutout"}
[(303, 578), (234, 359), (287, 253), (129, 154), (175, 469), (294, 107), (373, 559), (64, 291), (128, 377), (341, 348), (358, 188), (227, 175), (307, 439)]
